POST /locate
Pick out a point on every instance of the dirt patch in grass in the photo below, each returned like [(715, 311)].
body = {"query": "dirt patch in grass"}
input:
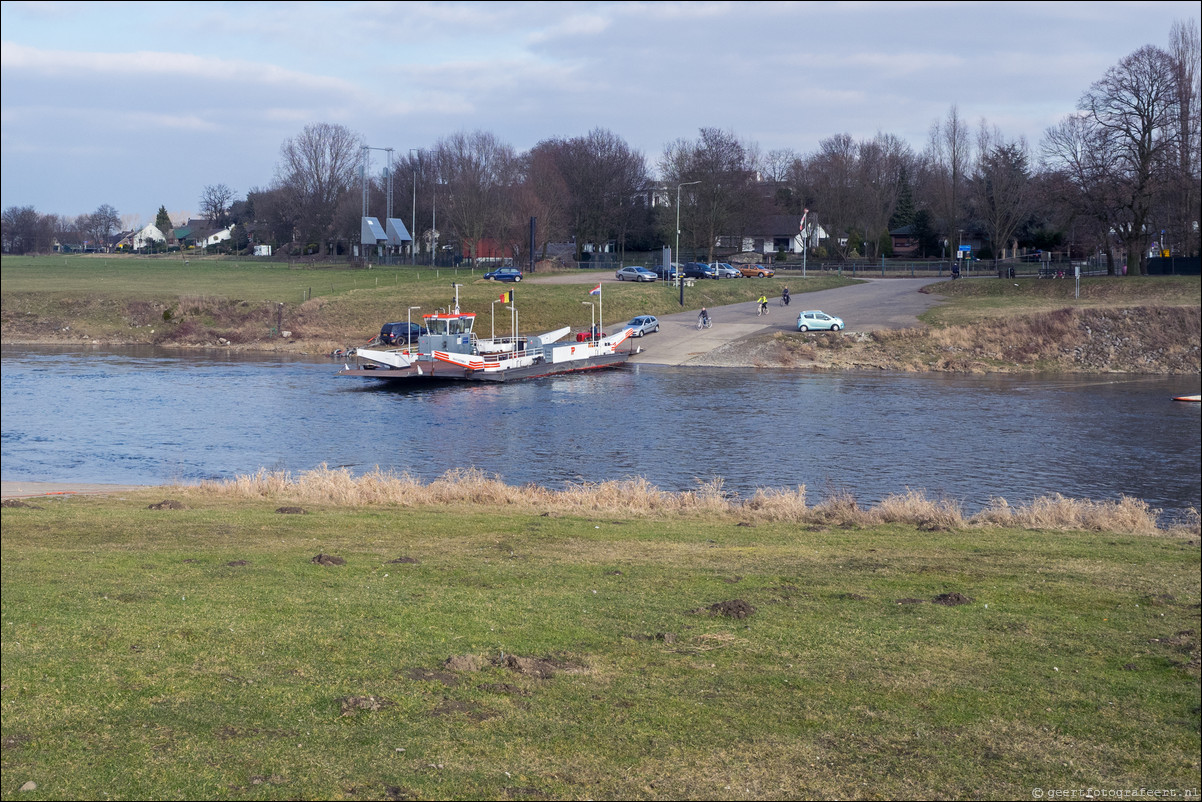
[(735, 608), (291, 511), (237, 563), (167, 504), (327, 559), (403, 561), (503, 688), (350, 705), (952, 599), (453, 707), (537, 667), (16, 502), (464, 662), (426, 675)]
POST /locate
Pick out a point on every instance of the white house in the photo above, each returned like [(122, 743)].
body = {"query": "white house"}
[(147, 236), (220, 235)]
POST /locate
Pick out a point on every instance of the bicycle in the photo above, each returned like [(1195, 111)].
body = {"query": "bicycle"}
[(763, 310), (784, 300), (704, 323)]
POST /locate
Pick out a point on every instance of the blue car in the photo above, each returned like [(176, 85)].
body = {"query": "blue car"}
[(504, 274)]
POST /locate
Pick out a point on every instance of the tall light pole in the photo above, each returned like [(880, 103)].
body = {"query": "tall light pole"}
[(409, 334), (592, 330), (413, 218), (680, 278)]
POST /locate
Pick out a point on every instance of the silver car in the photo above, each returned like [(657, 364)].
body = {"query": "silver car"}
[(727, 271), (635, 274), (643, 324)]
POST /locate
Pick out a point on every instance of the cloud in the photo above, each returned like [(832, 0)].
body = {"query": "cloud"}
[(141, 65)]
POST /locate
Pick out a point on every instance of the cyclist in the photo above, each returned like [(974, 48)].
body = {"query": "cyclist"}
[(784, 296), (703, 318), (763, 302)]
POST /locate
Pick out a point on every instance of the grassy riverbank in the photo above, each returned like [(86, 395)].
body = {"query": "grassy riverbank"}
[(470, 640), (130, 300), (1118, 325)]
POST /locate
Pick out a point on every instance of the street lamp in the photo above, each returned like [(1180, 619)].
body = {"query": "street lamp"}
[(680, 278), (409, 334), (592, 331), (413, 218)]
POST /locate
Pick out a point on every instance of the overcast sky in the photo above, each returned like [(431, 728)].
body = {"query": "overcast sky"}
[(143, 104)]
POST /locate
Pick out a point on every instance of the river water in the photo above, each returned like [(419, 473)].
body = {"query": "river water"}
[(149, 416)]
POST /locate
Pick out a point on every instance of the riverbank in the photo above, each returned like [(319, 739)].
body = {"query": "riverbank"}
[(1129, 325), (257, 640), (1144, 340)]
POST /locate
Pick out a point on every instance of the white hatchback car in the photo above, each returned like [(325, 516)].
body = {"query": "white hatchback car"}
[(817, 320)]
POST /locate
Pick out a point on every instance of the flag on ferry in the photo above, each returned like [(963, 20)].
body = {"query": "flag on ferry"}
[(595, 290), (506, 297)]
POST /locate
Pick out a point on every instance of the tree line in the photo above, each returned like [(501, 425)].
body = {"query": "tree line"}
[(1116, 175)]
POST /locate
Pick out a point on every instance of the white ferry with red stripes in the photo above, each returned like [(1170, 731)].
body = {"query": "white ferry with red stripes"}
[(451, 351)]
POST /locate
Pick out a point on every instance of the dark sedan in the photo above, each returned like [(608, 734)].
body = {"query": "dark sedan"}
[(699, 270)]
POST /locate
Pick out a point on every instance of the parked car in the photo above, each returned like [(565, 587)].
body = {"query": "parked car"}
[(817, 320), (635, 274), (758, 271), (643, 324), (726, 271), (698, 270), (504, 274), (673, 272), (396, 333)]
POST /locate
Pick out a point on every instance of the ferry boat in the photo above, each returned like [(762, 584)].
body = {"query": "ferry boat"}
[(451, 351)]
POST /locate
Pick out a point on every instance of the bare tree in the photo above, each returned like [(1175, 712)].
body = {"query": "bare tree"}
[(884, 163), (948, 157), (215, 203), (1075, 151), (1185, 53), (473, 172), (1133, 107), (25, 230), (602, 175), (545, 194), (98, 227), (727, 200), (317, 169), (1001, 188), (833, 187)]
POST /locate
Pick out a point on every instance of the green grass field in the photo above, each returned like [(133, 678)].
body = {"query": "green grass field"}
[(122, 299), (200, 653), (972, 301)]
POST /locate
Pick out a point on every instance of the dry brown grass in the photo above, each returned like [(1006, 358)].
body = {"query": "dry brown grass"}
[(916, 509), (637, 497), (1128, 515)]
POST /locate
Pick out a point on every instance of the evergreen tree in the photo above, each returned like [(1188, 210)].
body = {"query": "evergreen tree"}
[(162, 220), (903, 212)]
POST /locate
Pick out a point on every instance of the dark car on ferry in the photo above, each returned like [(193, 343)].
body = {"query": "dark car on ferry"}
[(504, 274), (398, 333)]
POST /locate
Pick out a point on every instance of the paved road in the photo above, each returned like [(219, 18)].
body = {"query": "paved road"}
[(875, 304)]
